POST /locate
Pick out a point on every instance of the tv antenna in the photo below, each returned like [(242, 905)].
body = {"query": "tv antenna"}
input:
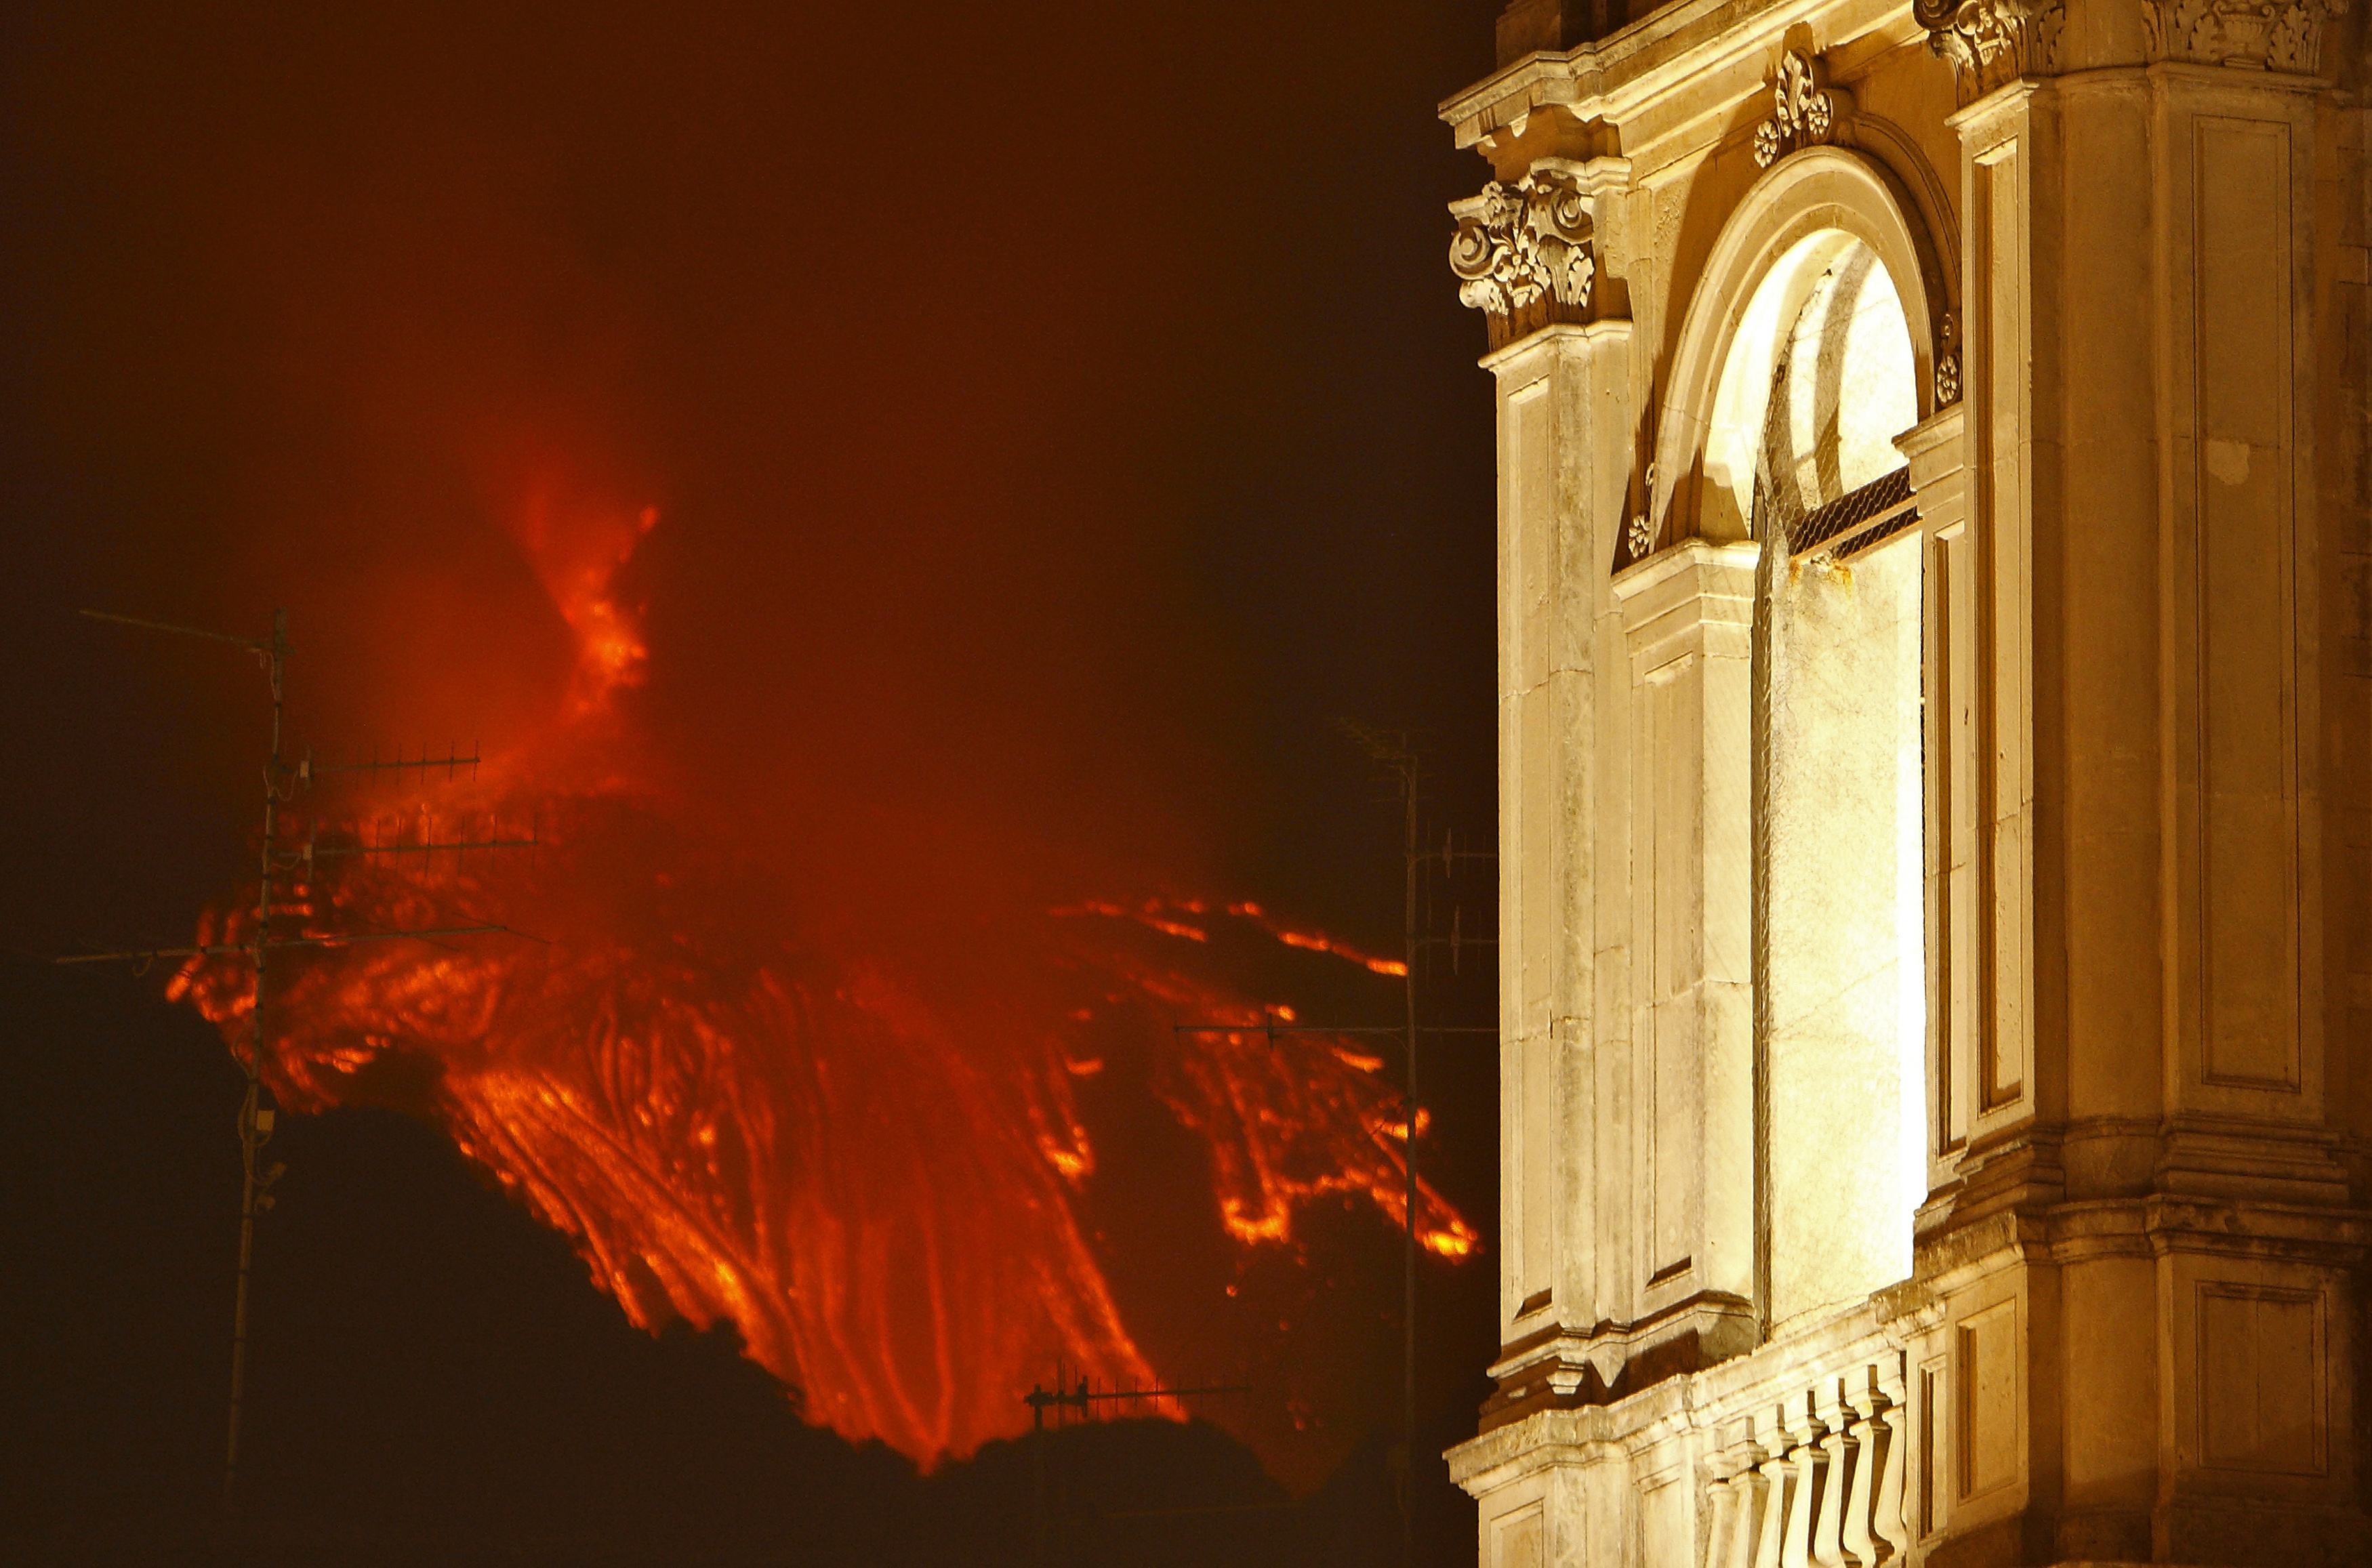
[(283, 780), (1425, 868), (1089, 1400)]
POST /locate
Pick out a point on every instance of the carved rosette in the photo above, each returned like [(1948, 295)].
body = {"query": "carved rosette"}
[(2279, 35), (1523, 252), (1802, 115), (1990, 42)]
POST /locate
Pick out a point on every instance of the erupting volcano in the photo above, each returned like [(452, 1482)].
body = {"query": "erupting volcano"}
[(870, 1158)]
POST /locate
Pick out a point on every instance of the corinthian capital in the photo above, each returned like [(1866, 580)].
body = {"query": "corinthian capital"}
[(1523, 252), (2280, 35), (1989, 42)]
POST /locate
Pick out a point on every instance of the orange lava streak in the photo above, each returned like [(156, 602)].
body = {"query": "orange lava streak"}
[(873, 1174), (805, 1153), (729, 1129), (1317, 942), (1163, 915)]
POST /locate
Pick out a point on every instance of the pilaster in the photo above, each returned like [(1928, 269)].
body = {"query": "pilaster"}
[(1527, 253), (2011, 165), (1688, 620), (1936, 451)]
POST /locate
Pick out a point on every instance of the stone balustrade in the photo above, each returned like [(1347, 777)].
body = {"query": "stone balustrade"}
[(1815, 1480)]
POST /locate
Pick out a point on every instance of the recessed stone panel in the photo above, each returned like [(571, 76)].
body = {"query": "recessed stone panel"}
[(1987, 1399), (1517, 1541), (2261, 1379), (2249, 848)]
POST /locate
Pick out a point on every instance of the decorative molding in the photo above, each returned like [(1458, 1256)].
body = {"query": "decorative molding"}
[(2279, 35), (1639, 538), (1989, 42), (1524, 253), (1802, 114), (1947, 368)]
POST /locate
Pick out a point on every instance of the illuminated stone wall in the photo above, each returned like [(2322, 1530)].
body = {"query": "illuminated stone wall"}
[(1936, 961), (1848, 1015)]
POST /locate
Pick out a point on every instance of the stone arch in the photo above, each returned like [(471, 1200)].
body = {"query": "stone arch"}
[(1818, 190)]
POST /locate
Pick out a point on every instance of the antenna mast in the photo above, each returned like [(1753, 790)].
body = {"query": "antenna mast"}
[(1397, 756), (282, 780)]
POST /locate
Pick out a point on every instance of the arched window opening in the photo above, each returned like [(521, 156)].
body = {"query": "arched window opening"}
[(1800, 457)]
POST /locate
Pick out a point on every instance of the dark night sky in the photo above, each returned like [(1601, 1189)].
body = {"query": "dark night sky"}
[(1059, 416)]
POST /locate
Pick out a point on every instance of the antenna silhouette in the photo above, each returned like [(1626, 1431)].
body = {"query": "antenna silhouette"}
[(1423, 867), (283, 780), (1086, 1398)]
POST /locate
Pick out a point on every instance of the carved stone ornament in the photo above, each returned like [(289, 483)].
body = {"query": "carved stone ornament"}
[(1640, 537), (1801, 114), (1523, 250), (2280, 35), (1948, 369), (1989, 42)]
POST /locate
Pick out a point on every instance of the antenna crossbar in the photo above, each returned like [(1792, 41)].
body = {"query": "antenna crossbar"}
[(452, 846), (451, 763), (253, 645), (246, 949), (1086, 1394)]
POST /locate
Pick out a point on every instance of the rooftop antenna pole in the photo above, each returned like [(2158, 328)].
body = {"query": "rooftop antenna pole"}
[(1396, 755), (1406, 763), (254, 1118), (282, 780)]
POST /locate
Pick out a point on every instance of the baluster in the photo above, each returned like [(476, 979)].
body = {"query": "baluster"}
[(1744, 1488), (1890, 1415), (1828, 1530), (1771, 1539), (1754, 1492), (1870, 1440), (1804, 1496), (1721, 1513)]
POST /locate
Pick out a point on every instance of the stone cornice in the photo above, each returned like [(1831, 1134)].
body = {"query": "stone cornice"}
[(1672, 35), (1542, 1440), (1605, 1426), (1683, 63), (1510, 358), (1933, 445), (1696, 43)]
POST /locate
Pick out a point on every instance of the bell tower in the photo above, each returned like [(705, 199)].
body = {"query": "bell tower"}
[(1935, 563)]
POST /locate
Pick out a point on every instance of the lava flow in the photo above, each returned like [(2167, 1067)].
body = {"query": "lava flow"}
[(874, 1166)]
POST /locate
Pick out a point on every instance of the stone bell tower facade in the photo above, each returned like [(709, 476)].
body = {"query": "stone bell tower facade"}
[(1935, 750)]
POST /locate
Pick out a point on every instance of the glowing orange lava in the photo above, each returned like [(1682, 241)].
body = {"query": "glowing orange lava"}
[(872, 1171)]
